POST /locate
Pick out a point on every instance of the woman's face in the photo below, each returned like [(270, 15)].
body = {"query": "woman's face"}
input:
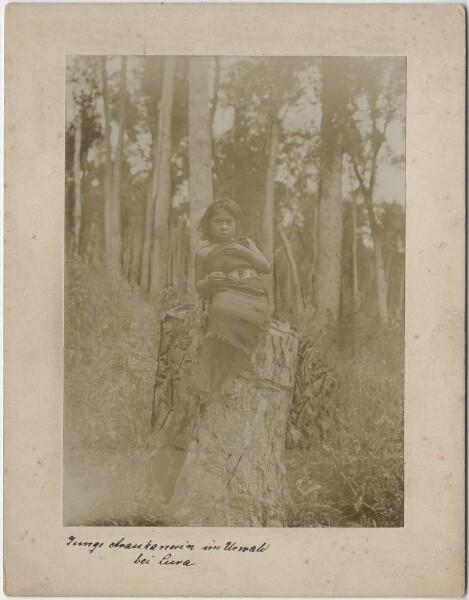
[(222, 226)]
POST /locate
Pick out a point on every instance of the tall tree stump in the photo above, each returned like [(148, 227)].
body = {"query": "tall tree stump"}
[(230, 446)]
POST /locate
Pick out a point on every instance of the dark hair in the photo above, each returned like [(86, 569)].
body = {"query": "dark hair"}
[(222, 204)]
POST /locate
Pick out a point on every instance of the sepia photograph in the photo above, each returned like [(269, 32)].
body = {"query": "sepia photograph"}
[(234, 291)]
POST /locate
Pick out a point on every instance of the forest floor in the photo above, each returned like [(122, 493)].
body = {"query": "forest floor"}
[(346, 472)]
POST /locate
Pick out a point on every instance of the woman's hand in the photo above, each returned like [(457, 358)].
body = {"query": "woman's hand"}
[(212, 281), (215, 278)]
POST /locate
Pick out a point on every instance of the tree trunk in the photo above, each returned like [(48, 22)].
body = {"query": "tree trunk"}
[(149, 214), (69, 209), (402, 293), (354, 286), (126, 250), (179, 248), (213, 110), (89, 245), (381, 286), (378, 138), (282, 287), (136, 250), (77, 181), (116, 239), (311, 271), (107, 166), (200, 153), (153, 187), (380, 275), (388, 268), (268, 221), (162, 184), (329, 230), (287, 285), (299, 305), (355, 295), (218, 459)]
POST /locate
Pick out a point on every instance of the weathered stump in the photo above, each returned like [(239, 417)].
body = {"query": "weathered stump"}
[(230, 446)]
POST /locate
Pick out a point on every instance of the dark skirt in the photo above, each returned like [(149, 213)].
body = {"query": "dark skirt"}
[(237, 318)]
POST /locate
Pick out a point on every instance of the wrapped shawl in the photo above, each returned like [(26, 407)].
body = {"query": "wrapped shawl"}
[(239, 308)]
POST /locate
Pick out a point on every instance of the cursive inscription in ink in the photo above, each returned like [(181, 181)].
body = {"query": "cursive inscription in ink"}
[(165, 553)]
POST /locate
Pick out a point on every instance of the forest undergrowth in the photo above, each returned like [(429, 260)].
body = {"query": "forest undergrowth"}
[(344, 445), (345, 465), (111, 336)]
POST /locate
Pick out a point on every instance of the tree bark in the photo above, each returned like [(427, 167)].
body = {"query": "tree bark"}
[(381, 286), (311, 271), (299, 304), (77, 181), (329, 230), (107, 165), (213, 110), (229, 469), (126, 250), (148, 224), (268, 221), (355, 292), (179, 251), (200, 153), (136, 250), (378, 138), (153, 187), (380, 275), (354, 286), (116, 234), (283, 296), (402, 293), (216, 85), (161, 186)]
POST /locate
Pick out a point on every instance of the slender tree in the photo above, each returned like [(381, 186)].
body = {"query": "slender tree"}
[(162, 184), (77, 212), (329, 230), (213, 110), (161, 138), (116, 235), (367, 192), (354, 253), (380, 87), (83, 130), (200, 151), (401, 301), (149, 214), (107, 164), (268, 220), (293, 270)]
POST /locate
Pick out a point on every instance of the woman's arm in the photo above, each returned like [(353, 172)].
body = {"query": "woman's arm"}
[(205, 284), (263, 265), (201, 284), (252, 254)]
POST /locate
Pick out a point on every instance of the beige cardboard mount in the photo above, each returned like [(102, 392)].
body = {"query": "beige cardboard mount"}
[(426, 556)]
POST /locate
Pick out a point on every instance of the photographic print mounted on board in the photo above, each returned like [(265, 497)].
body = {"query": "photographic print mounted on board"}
[(234, 291), (236, 362)]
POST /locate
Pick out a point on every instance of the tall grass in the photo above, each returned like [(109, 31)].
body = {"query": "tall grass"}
[(110, 359), (346, 433)]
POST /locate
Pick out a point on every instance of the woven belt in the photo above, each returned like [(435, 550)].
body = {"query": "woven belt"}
[(239, 274)]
